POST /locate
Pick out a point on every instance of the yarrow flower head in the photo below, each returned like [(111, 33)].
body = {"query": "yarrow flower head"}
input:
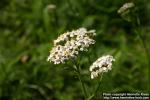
[(68, 45), (126, 7), (102, 64)]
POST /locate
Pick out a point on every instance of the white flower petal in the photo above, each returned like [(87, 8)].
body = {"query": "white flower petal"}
[(102, 64)]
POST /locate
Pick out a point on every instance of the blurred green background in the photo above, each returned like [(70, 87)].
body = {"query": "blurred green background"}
[(28, 28)]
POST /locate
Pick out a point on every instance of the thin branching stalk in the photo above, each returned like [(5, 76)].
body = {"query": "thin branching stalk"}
[(138, 31), (81, 81), (97, 88)]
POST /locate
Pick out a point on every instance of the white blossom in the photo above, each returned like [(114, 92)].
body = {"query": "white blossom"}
[(77, 34), (73, 42), (102, 64), (125, 7), (51, 7)]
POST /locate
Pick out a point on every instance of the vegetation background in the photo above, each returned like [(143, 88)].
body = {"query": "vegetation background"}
[(28, 28)]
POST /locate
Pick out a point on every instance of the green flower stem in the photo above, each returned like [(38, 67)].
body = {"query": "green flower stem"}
[(97, 88), (144, 45), (81, 81), (138, 31)]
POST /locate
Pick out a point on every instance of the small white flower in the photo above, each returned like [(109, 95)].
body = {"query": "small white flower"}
[(51, 7), (61, 38), (73, 42), (102, 64)]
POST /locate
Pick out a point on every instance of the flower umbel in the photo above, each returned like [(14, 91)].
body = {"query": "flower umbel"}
[(68, 45), (102, 64), (126, 7)]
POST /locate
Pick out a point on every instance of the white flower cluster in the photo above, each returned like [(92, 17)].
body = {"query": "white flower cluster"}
[(102, 64), (126, 7), (67, 45)]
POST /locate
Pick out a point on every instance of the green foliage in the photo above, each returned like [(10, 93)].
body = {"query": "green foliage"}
[(28, 28)]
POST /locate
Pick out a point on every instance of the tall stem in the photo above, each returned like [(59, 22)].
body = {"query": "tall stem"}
[(138, 31), (97, 88), (98, 85), (144, 45), (81, 81)]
